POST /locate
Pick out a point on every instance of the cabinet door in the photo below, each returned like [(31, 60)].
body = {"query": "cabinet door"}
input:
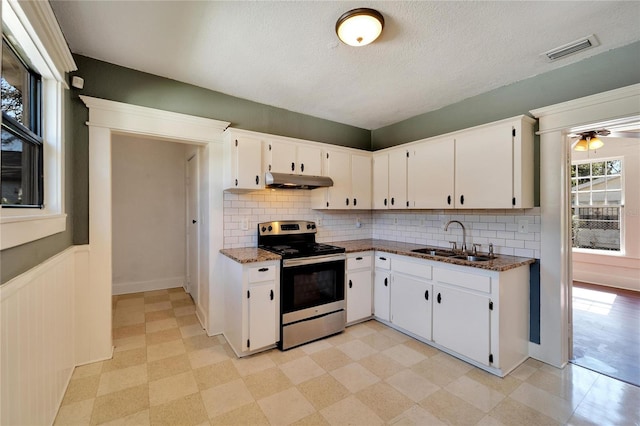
[(411, 305), (309, 160), (358, 295), (380, 181), (338, 165), (262, 313), (381, 286), (484, 168), (461, 322), (361, 181), (282, 157), (247, 163), (430, 174), (398, 179)]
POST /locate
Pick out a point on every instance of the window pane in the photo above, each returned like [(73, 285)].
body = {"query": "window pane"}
[(614, 197), (598, 169), (20, 171), (584, 198), (596, 228), (584, 169), (584, 184), (614, 167), (614, 182), (15, 87)]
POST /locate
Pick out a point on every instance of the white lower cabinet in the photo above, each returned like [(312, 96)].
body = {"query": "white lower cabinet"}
[(252, 303), (359, 286), (461, 322), (478, 315)]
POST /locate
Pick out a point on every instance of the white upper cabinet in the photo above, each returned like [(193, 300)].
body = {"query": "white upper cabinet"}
[(351, 175), (243, 162), (390, 179), (430, 183), (494, 165), (293, 158)]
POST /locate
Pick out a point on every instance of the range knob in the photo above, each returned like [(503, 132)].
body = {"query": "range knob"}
[(270, 228), (308, 226), (313, 226), (264, 229)]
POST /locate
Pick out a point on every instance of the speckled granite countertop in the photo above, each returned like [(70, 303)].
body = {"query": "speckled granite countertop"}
[(500, 263), (249, 255)]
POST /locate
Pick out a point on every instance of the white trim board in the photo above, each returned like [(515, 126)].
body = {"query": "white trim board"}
[(109, 117)]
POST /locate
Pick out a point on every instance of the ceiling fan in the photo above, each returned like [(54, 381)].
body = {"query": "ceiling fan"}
[(589, 140)]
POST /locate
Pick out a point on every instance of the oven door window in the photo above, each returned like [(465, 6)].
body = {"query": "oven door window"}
[(312, 285)]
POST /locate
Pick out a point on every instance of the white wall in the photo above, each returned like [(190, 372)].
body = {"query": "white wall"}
[(148, 196), (613, 269)]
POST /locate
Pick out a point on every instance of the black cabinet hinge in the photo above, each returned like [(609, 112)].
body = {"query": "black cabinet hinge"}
[(513, 132), (248, 294), (269, 147), (248, 343), (513, 201), (490, 305), (236, 142), (490, 358), (327, 155), (407, 154)]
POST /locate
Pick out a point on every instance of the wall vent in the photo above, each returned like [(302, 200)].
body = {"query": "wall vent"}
[(570, 48)]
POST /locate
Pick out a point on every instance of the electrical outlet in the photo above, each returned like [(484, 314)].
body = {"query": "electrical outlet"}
[(395, 220), (244, 224), (358, 223), (318, 222), (523, 226)]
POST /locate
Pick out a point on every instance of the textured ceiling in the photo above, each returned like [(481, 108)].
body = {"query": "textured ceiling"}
[(286, 54)]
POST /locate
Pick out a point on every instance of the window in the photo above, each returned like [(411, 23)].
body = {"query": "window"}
[(35, 60), (597, 195), (21, 160)]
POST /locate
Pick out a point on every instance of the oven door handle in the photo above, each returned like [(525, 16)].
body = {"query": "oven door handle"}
[(287, 263)]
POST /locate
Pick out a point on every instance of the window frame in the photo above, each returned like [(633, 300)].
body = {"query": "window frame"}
[(620, 206), (35, 30)]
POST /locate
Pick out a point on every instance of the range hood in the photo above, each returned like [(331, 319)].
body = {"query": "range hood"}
[(287, 181)]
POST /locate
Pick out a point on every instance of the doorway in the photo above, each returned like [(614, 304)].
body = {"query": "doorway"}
[(192, 227), (605, 270)]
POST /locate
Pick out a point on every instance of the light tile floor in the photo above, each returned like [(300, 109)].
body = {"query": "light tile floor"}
[(165, 370)]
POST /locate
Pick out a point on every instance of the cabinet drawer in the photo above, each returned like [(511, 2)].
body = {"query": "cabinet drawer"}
[(262, 273), (358, 262), (463, 279), (412, 268), (383, 261)]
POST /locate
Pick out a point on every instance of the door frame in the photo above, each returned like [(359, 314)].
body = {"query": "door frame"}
[(555, 123), (109, 117), (192, 181)]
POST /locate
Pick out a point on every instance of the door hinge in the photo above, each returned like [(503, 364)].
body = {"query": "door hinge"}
[(248, 294), (269, 147), (513, 201), (327, 155), (248, 343), (490, 305), (513, 132), (490, 358), (407, 154), (236, 142)]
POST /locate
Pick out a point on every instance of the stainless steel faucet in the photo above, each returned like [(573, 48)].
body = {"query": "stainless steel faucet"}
[(464, 233)]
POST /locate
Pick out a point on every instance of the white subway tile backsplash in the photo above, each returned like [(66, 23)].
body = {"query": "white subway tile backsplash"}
[(499, 227)]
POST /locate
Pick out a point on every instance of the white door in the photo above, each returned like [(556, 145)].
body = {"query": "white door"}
[(358, 295), (430, 175), (361, 181), (380, 181), (381, 283), (411, 305), (193, 227), (398, 178), (262, 311)]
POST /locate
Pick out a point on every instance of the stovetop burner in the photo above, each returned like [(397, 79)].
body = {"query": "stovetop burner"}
[(292, 239)]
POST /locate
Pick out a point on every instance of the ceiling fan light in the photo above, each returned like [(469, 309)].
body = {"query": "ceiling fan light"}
[(595, 143), (582, 145), (359, 27)]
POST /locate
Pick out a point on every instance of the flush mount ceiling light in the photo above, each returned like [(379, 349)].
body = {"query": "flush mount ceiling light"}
[(359, 27)]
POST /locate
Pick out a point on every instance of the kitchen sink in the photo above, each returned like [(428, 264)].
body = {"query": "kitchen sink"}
[(434, 252), (472, 258)]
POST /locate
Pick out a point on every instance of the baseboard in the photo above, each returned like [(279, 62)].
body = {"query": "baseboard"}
[(140, 286)]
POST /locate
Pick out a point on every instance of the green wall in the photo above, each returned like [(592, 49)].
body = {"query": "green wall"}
[(17, 260), (606, 71)]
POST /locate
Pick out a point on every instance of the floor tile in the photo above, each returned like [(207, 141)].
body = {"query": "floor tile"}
[(354, 377), (123, 378), (163, 336), (128, 331), (252, 364), (76, 413), (226, 397), (191, 330), (314, 419), (404, 355), (544, 402), (512, 412), (120, 404), (158, 315), (172, 387), (163, 324), (208, 356), (158, 306), (215, 374), (187, 319), (422, 348), (87, 370), (127, 343), (165, 350), (378, 341), (81, 389), (184, 310), (155, 300), (356, 349), (331, 358), (301, 369), (285, 407), (451, 409), (523, 372), (141, 418), (246, 415), (267, 382), (381, 365), (616, 400), (200, 341), (125, 359), (475, 393), (504, 385), (316, 346), (411, 384), (416, 416), (360, 330), (188, 410), (384, 400), (323, 391), (168, 367), (350, 411)]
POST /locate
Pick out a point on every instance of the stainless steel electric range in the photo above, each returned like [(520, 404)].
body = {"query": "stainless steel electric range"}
[(312, 303)]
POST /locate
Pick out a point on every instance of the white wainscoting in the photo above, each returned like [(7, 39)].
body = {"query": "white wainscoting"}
[(38, 337)]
